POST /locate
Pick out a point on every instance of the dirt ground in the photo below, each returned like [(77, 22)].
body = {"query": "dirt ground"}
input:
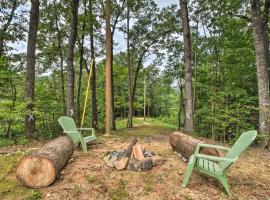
[(87, 177)]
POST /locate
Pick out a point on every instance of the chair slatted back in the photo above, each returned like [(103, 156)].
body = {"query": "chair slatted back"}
[(239, 147), (68, 125)]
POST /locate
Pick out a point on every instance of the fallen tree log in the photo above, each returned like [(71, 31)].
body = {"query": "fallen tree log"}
[(186, 145), (43, 166)]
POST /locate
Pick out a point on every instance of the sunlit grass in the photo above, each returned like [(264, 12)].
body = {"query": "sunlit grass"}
[(143, 128)]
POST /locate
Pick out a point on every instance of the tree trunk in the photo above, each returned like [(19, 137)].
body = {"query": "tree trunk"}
[(60, 49), (108, 68), (81, 66), (186, 145), (42, 167), (261, 43), (144, 99), (188, 69), (130, 106), (181, 106), (93, 80), (70, 57), (113, 125), (30, 70)]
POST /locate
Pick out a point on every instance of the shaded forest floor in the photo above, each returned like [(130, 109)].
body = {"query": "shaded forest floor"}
[(86, 176)]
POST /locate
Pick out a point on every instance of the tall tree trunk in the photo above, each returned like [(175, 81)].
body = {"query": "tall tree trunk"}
[(30, 71), (78, 117), (93, 80), (113, 125), (261, 43), (181, 105), (130, 107), (144, 99), (60, 50), (108, 68), (188, 69), (70, 57)]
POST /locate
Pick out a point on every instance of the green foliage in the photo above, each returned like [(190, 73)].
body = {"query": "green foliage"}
[(224, 72)]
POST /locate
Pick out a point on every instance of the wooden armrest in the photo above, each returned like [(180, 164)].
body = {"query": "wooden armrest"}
[(214, 158), (85, 129), (213, 146)]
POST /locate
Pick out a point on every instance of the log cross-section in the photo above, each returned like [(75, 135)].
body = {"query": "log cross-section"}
[(42, 167)]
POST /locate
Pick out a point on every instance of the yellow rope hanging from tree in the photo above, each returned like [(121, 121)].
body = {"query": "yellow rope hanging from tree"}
[(87, 92)]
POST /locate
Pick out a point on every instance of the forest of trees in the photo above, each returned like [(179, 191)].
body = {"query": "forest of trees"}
[(198, 65)]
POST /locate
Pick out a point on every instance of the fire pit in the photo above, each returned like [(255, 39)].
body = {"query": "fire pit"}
[(134, 157)]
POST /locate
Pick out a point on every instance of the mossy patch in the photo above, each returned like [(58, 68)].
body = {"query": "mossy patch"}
[(8, 164)]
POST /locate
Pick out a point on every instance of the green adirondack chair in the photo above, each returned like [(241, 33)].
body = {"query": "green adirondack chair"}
[(217, 166), (70, 129)]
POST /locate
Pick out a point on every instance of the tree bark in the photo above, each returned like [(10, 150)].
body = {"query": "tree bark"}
[(144, 99), (113, 123), (70, 58), (42, 167), (186, 145), (181, 105), (60, 49), (130, 104), (30, 70), (108, 68), (93, 80), (188, 69), (81, 66), (261, 43)]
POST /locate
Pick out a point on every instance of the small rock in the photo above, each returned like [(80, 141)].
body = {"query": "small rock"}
[(184, 159), (110, 159), (148, 154), (147, 164), (121, 164), (134, 164), (157, 160)]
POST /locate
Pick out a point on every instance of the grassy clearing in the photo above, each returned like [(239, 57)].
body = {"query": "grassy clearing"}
[(141, 128), (122, 123)]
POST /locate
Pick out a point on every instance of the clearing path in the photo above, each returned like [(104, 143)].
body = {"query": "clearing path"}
[(87, 177)]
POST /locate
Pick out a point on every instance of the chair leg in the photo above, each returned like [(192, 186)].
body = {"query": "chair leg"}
[(84, 146), (225, 184), (188, 171)]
